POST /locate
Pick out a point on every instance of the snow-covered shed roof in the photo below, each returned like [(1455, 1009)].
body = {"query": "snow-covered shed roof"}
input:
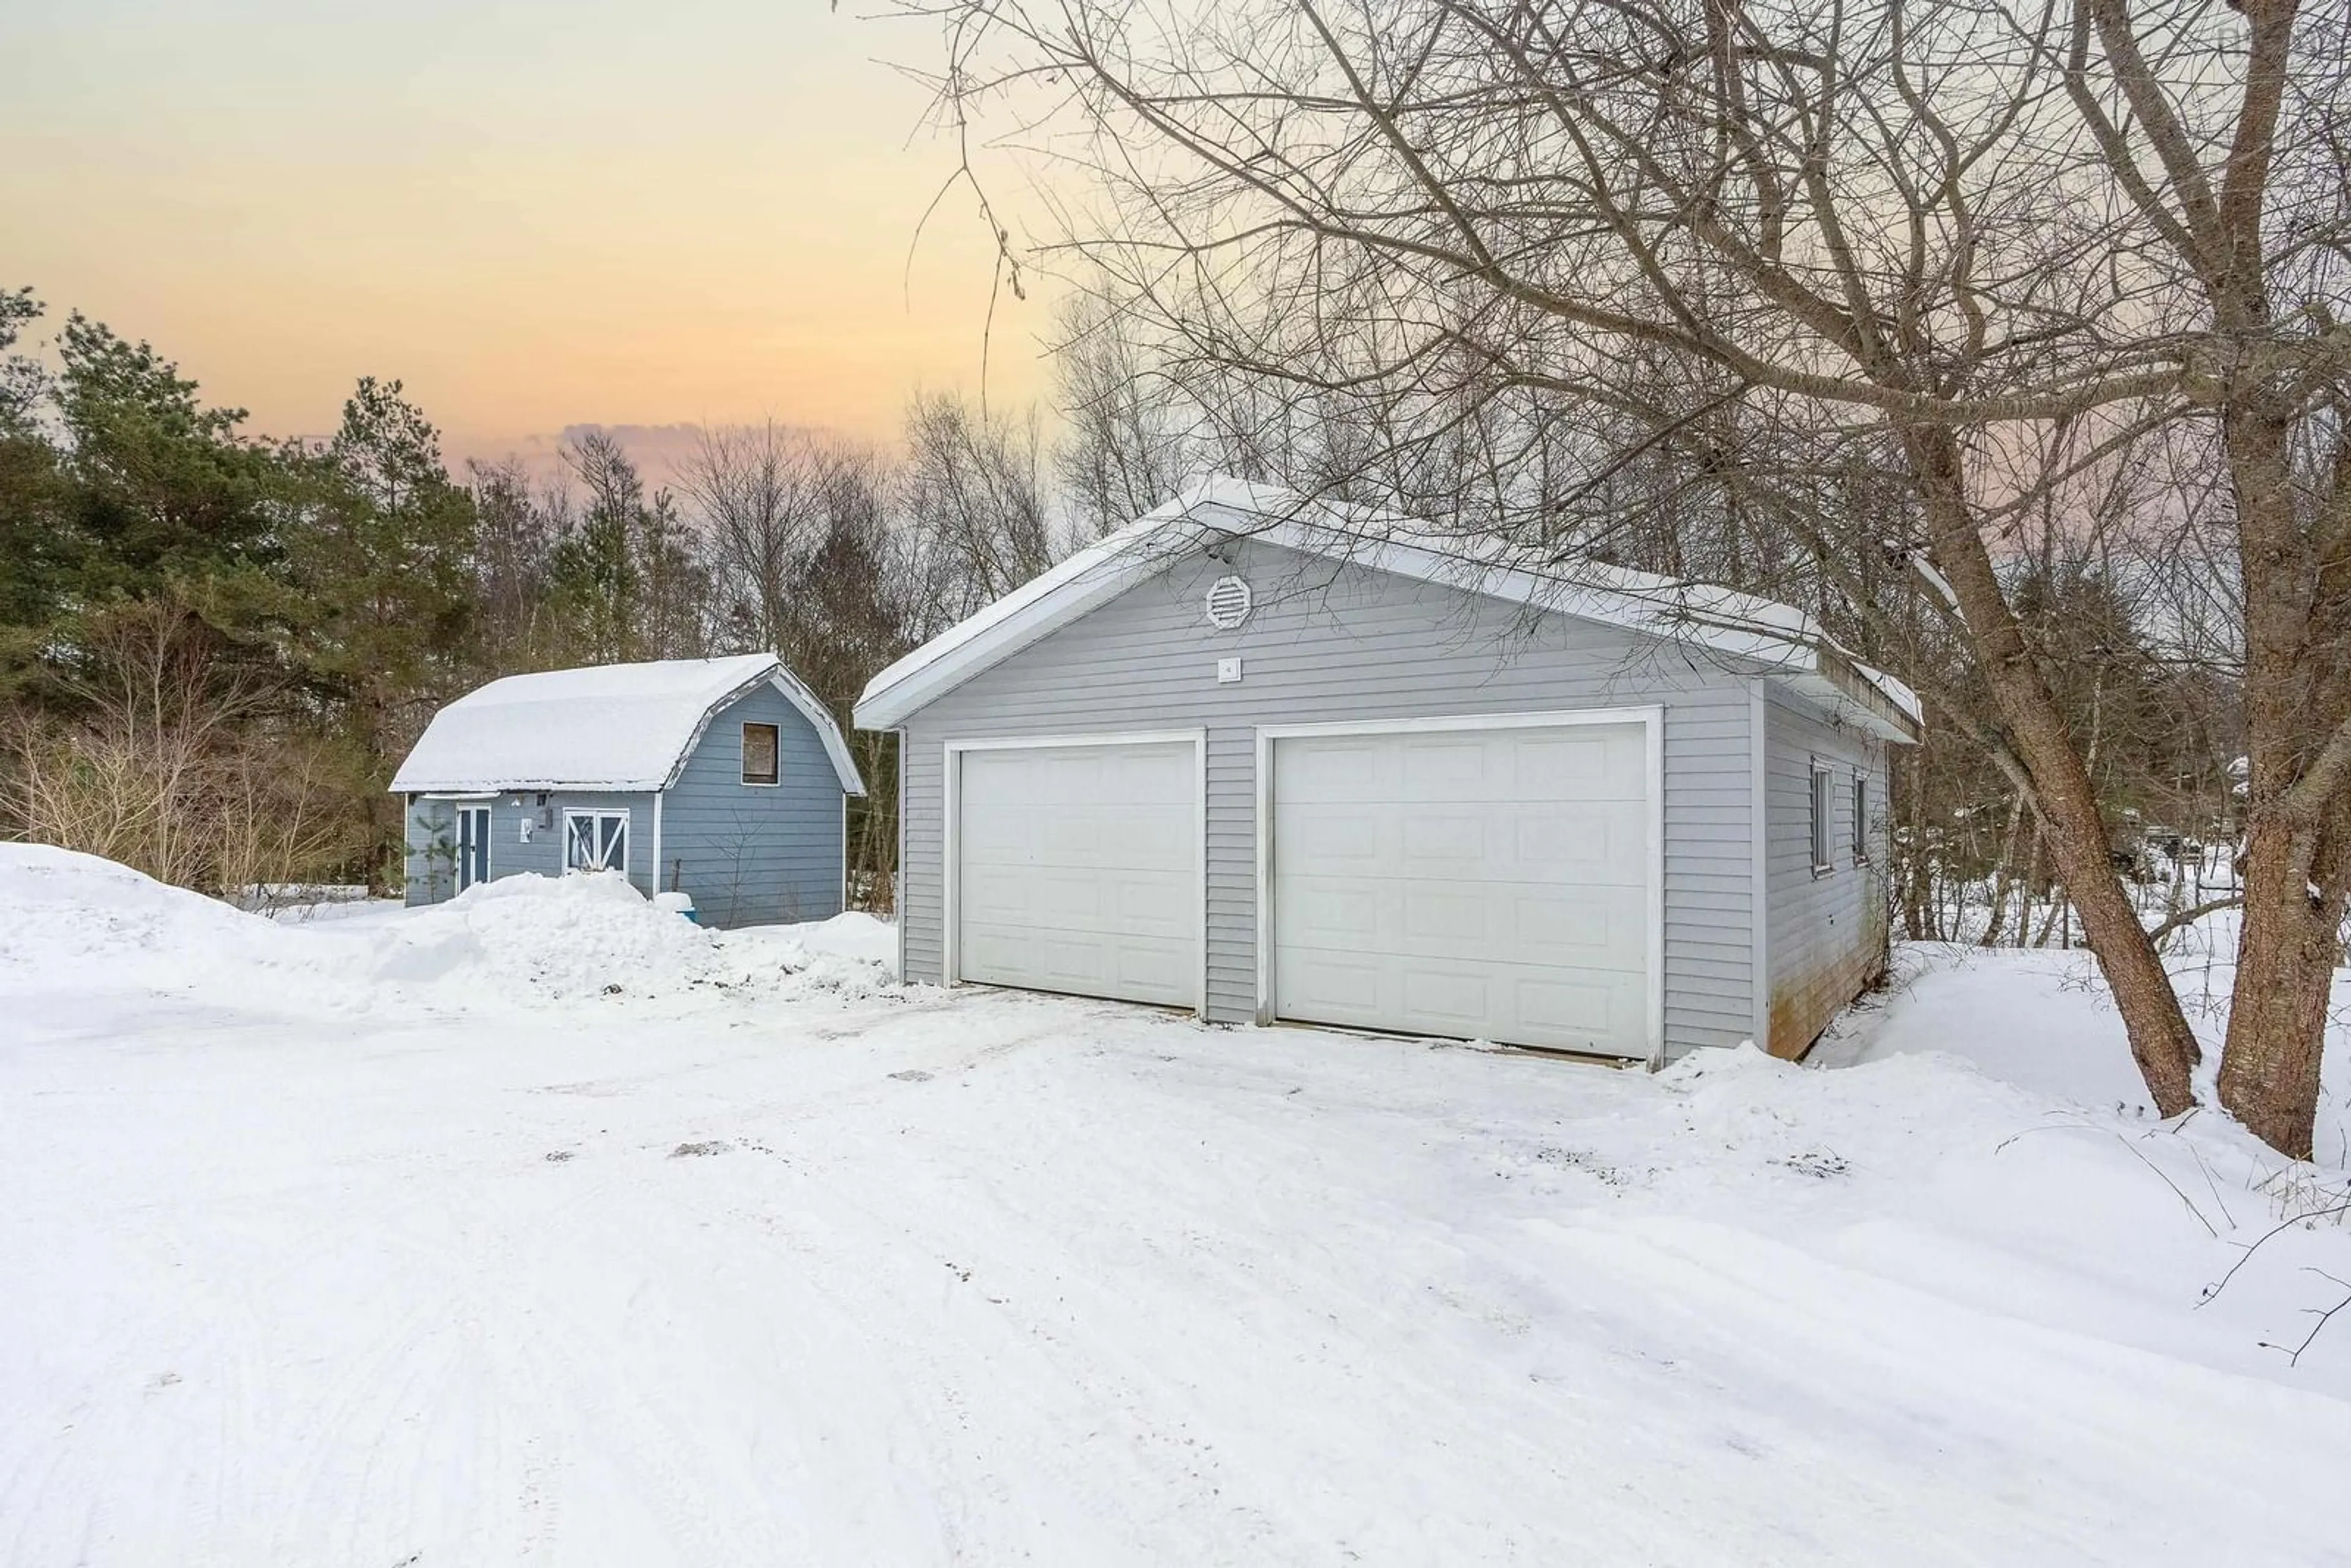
[(608, 727), (1784, 639)]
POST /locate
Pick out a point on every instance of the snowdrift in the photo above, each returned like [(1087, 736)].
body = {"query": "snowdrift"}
[(71, 921), (67, 919), (595, 935)]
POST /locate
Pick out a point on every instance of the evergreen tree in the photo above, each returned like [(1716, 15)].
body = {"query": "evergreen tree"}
[(380, 574), (32, 543), (163, 488)]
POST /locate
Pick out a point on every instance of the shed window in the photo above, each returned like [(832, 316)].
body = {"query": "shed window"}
[(759, 747), (1860, 820), (1821, 786), (595, 841)]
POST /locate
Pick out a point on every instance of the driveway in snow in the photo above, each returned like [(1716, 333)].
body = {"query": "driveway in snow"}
[(359, 1246)]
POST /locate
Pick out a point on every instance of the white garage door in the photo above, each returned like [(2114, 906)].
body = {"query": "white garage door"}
[(1491, 884), (1078, 870)]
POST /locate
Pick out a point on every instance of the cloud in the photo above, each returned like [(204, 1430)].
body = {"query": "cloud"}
[(660, 451)]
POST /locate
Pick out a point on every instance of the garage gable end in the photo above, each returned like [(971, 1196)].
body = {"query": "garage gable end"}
[(1218, 514)]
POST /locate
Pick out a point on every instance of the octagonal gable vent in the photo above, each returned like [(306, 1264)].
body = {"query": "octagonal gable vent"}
[(1229, 603)]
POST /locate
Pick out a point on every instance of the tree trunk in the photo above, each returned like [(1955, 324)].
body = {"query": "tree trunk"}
[(2286, 945), (2160, 1040), (2277, 1020), (2004, 874)]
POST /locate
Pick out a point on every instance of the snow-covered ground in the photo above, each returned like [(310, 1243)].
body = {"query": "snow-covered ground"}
[(401, 1239)]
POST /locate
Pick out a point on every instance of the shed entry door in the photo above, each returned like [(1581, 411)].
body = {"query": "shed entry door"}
[(1490, 884), (473, 846), (595, 841), (1077, 869)]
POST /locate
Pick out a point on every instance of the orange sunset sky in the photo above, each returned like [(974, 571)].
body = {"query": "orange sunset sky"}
[(536, 214)]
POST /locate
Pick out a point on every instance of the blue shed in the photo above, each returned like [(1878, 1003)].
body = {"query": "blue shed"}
[(725, 779)]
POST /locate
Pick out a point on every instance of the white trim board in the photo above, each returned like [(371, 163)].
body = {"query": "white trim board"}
[(1758, 868), (1651, 717), (657, 841), (788, 686), (951, 814), (486, 808), (898, 864), (628, 835)]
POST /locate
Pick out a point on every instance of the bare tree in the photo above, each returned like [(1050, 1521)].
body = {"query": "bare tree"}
[(1888, 281), (175, 762), (758, 492), (514, 531), (1128, 442), (972, 498)]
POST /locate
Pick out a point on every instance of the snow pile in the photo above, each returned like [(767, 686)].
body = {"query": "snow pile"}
[(69, 921), (1004, 1278), (2042, 1020), (583, 936), (68, 918), (852, 956), (566, 937)]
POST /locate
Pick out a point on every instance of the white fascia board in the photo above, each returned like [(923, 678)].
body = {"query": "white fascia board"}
[(1782, 640), (1853, 702), (1675, 617), (836, 746), (1896, 691), (1099, 572), (788, 686)]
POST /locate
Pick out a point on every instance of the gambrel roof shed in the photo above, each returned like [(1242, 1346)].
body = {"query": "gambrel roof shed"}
[(607, 726), (723, 780)]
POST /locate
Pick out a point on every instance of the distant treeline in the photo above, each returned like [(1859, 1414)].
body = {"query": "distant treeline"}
[(215, 646)]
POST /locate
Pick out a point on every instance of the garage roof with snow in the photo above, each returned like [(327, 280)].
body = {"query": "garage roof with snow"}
[(1784, 639), (607, 726)]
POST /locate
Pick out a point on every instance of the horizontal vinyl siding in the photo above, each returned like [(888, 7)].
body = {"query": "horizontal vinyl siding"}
[(429, 820), (1333, 641), (751, 854), (1827, 931)]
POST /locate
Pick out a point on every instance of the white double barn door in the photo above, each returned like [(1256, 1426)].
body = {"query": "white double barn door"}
[(1490, 883)]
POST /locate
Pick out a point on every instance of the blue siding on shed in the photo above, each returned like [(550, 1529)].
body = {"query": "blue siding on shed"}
[(433, 838), (751, 854), (746, 854)]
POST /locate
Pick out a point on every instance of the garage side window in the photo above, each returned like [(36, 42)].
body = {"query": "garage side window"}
[(1860, 820), (760, 750), (1821, 797)]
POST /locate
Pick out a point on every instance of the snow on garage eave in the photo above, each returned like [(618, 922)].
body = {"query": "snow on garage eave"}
[(1788, 644), (618, 727)]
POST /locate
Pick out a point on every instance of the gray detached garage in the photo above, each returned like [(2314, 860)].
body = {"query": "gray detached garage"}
[(1278, 761)]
